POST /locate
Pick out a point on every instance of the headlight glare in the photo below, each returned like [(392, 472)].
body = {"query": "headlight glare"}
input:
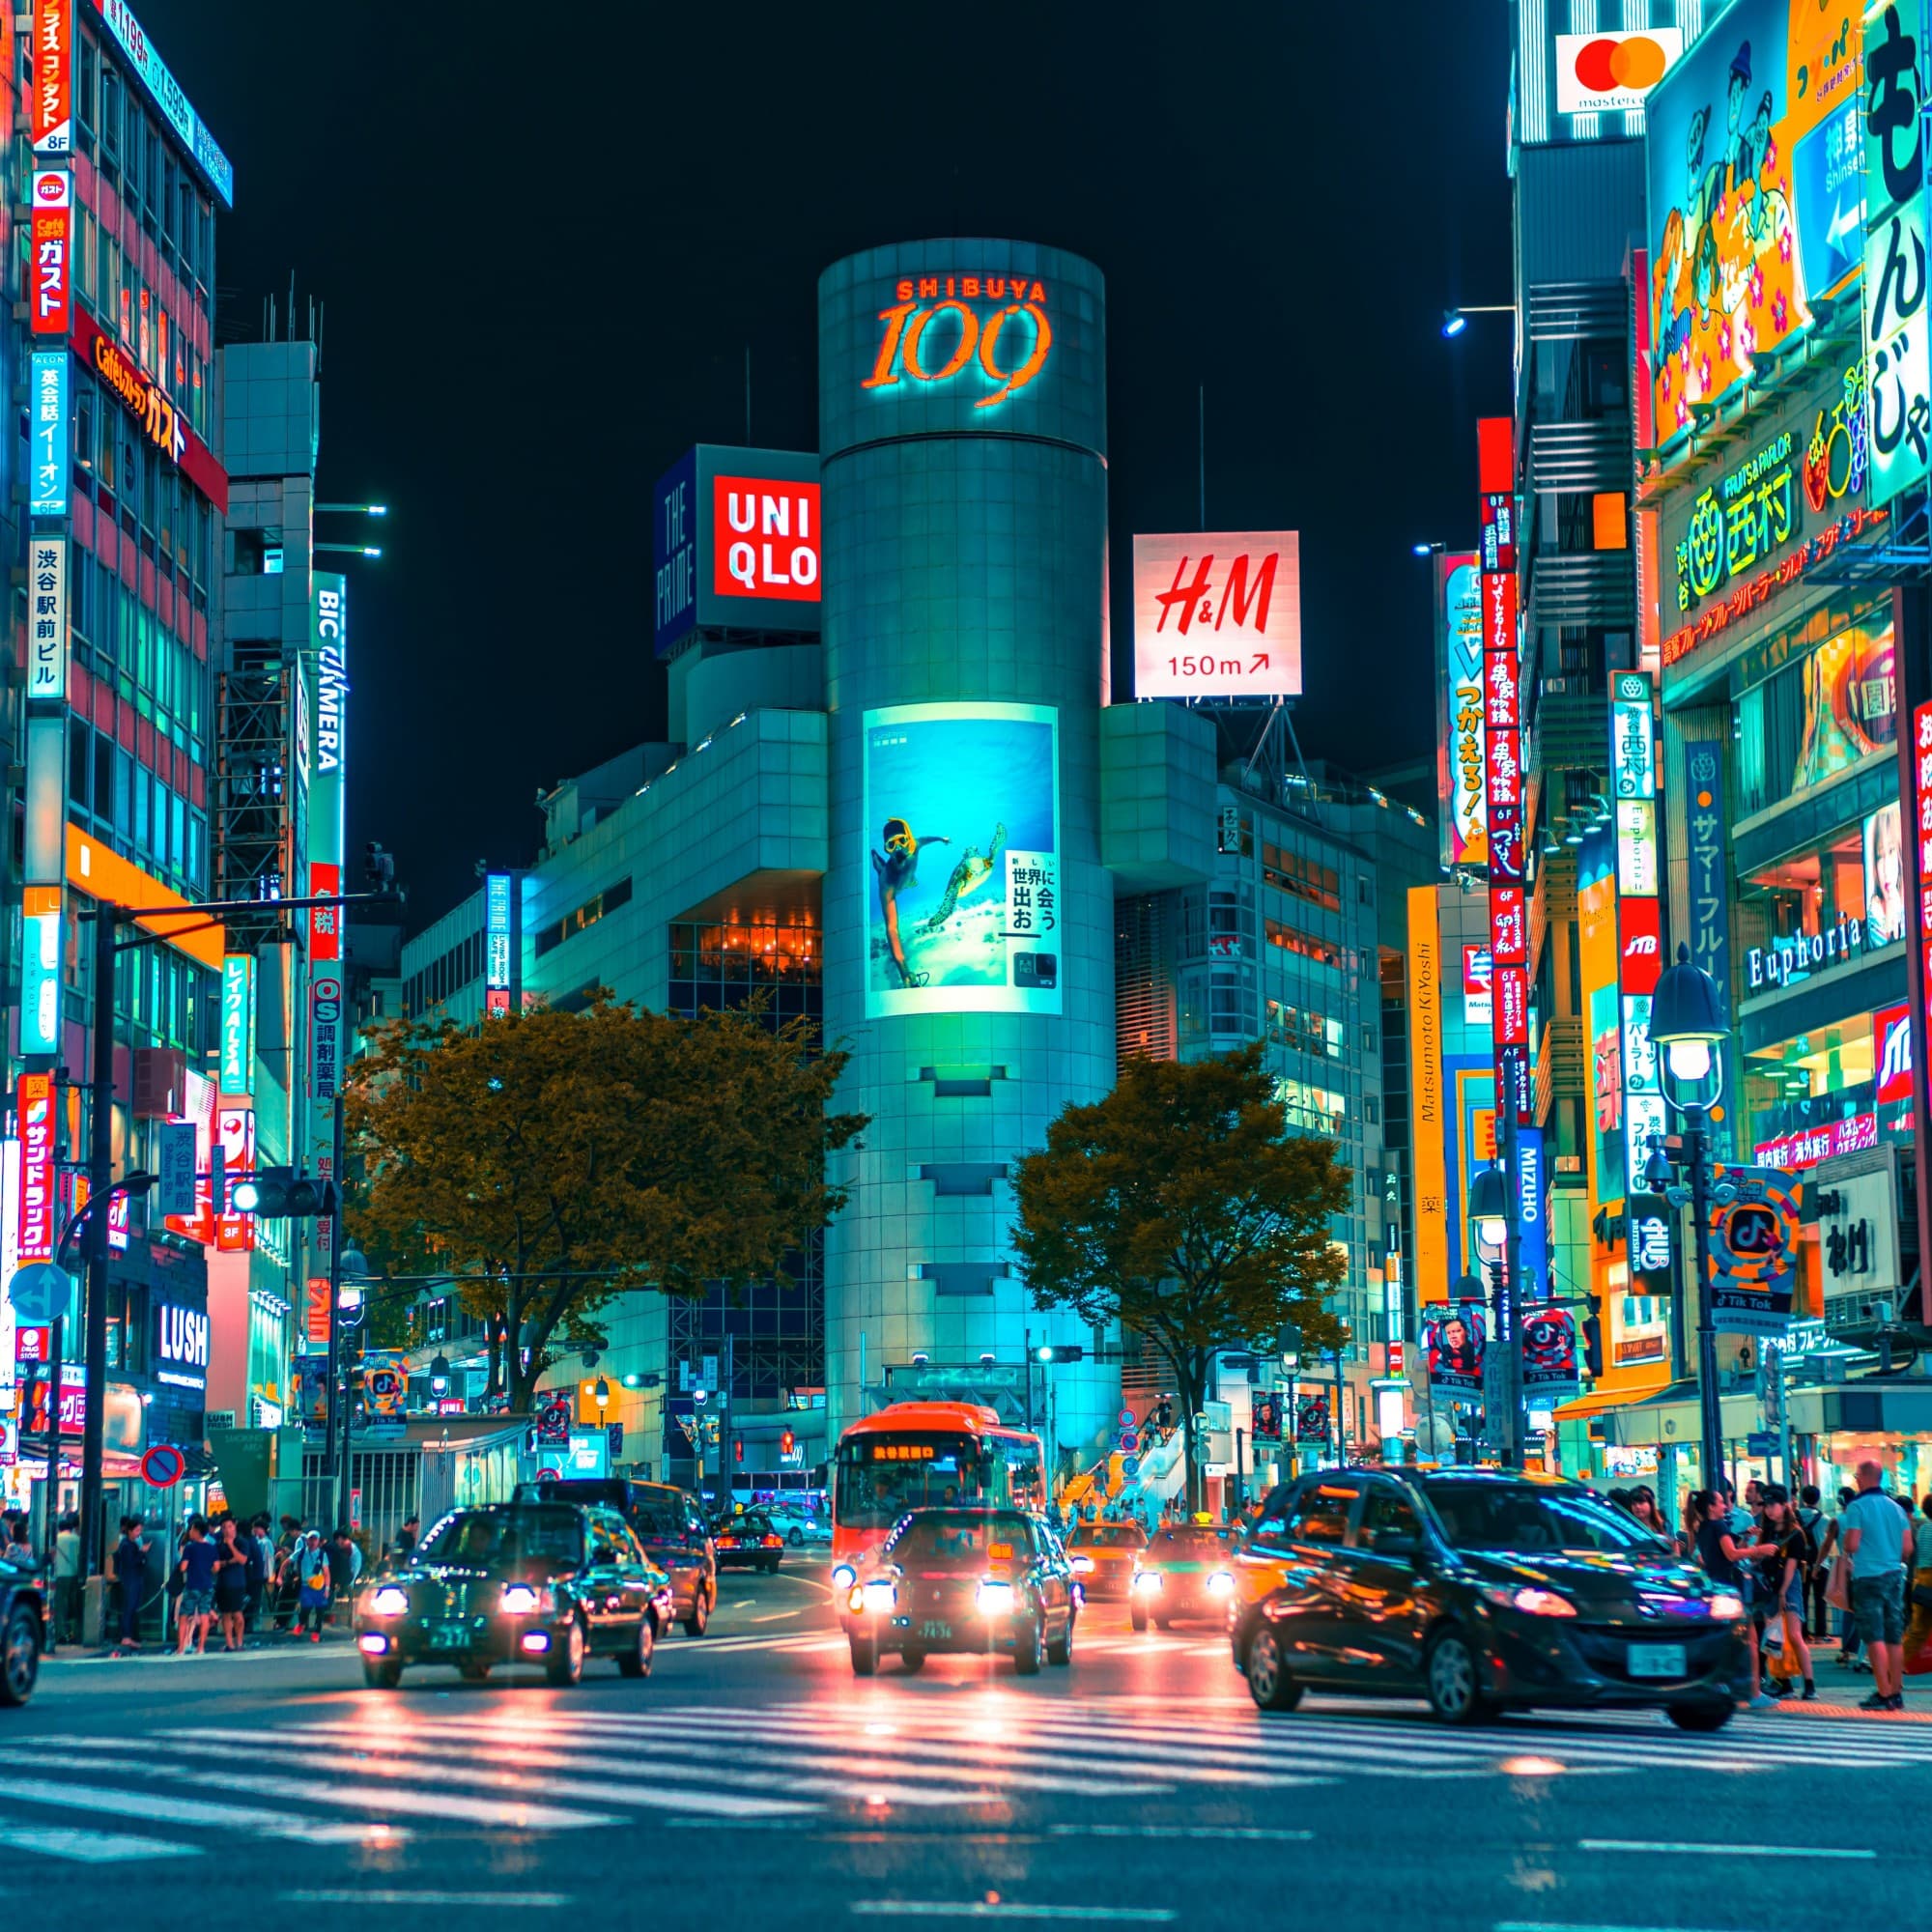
[(1727, 1606), (993, 1598), (520, 1600), (1531, 1601), (390, 1602), (843, 1575), (1221, 1584), (1146, 1582), (1082, 1564), (880, 1595)]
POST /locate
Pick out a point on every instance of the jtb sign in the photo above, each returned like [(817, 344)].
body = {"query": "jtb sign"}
[(994, 325)]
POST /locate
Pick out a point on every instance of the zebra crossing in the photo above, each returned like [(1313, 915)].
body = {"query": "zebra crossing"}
[(821, 1643), (381, 1772)]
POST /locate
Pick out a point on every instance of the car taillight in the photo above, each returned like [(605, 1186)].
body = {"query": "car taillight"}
[(771, 1542)]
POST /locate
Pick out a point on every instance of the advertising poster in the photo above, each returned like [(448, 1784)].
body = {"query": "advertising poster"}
[(1896, 351), (1755, 1251), (1455, 1338), (962, 875), (1755, 188), (1549, 1369), (1311, 1419), (386, 1392), (1465, 827), (1265, 1418), (1428, 1111), (1851, 688), (1884, 875), (1218, 613)]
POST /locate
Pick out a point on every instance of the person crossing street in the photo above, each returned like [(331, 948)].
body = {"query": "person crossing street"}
[(1877, 1536)]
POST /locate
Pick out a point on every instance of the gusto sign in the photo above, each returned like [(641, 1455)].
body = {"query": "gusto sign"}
[(941, 326)]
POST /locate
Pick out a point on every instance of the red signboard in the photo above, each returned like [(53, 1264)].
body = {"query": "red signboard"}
[(50, 266), (1509, 925), (325, 922), (164, 425), (34, 1099), (1891, 1053), (1510, 990), (1637, 921), (51, 107), (764, 538), (1921, 819), (1807, 1149)]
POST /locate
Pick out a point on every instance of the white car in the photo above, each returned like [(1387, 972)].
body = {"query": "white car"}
[(799, 1527)]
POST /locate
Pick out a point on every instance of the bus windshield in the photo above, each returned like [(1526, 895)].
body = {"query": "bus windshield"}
[(880, 1477)]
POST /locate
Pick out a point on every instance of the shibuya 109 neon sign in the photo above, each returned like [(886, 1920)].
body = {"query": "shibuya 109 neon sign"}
[(939, 327)]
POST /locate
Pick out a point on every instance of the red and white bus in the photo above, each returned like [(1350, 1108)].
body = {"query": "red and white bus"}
[(915, 1454)]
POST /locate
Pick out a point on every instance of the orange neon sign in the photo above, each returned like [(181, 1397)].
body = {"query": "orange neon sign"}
[(905, 350)]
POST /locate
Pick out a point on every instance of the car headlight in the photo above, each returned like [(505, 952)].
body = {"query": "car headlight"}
[(390, 1602), (843, 1575), (1530, 1599), (1221, 1584), (880, 1594), (1726, 1604), (1082, 1564), (1147, 1581), (994, 1598), (522, 1599)]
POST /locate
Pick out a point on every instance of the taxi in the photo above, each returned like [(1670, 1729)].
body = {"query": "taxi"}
[(1103, 1556), (1187, 1571)]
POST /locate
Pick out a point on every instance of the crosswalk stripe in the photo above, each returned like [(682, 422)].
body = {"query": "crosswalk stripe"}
[(167, 1806), (92, 1848), (861, 1758)]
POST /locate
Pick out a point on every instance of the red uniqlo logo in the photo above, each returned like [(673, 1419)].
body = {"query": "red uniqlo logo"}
[(764, 539)]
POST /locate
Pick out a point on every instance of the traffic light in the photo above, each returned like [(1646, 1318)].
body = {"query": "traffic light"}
[(787, 1442), (737, 1448), (641, 1381), (1593, 1345), (1060, 1352), (282, 1194)]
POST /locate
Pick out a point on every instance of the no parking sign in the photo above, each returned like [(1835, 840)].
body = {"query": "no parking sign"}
[(164, 1466)]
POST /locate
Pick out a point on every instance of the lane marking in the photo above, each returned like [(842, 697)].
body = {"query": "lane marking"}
[(774, 1617), (1271, 1834), (979, 1908), (93, 1848), (167, 1807), (1554, 1925), (504, 1900), (1651, 1845)]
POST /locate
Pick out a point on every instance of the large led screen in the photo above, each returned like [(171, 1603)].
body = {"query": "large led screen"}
[(963, 911)]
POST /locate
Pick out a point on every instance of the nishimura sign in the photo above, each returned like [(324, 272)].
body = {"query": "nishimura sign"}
[(1218, 614)]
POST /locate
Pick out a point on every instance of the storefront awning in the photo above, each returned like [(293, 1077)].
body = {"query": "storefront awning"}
[(1604, 1401)]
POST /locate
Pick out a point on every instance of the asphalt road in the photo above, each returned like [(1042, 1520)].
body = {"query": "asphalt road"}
[(753, 1780)]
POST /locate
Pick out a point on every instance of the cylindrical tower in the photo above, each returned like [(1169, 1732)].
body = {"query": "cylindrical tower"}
[(969, 960)]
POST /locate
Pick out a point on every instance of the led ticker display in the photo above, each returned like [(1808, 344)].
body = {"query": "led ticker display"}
[(496, 888), (993, 331), (1218, 614), (166, 91), (962, 865)]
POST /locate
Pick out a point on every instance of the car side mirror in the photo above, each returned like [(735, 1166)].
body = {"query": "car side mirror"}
[(1393, 1542)]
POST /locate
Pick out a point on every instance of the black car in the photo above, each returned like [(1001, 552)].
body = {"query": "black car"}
[(1482, 1590), (546, 1583), (962, 1579), (23, 1632), (665, 1521), (749, 1542)]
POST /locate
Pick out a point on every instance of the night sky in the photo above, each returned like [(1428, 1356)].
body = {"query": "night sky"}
[(538, 298)]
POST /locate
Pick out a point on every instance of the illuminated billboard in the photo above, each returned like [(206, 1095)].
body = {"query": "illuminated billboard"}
[(1757, 181), (735, 544), (1218, 614), (962, 869), (496, 940), (47, 438), (1460, 764), (1609, 74), (166, 91), (50, 249)]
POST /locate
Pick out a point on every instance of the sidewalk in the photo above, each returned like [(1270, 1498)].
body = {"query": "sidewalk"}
[(263, 1643), (1841, 1692)]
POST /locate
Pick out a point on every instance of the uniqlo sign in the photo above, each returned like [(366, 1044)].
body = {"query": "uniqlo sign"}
[(51, 107), (34, 1099), (764, 538), (50, 263)]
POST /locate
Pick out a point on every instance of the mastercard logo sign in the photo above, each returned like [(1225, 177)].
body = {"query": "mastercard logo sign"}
[(1605, 74)]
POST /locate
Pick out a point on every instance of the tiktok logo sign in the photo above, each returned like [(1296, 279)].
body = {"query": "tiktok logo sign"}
[(942, 327)]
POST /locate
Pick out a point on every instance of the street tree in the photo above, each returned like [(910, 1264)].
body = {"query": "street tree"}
[(549, 1162), (1181, 1208)]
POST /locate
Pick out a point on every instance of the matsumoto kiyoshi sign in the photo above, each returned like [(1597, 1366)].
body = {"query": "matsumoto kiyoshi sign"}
[(1787, 960)]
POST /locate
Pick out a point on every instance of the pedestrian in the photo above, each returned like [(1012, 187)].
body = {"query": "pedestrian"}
[(1877, 1536), (1786, 1574), (196, 1567), (1722, 1558), (1812, 1517), (131, 1580), (19, 1548), (231, 1585), (252, 1541), (1918, 1658), (1644, 1507), (407, 1532), (312, 1569), (345, 1565), (67, 1579)]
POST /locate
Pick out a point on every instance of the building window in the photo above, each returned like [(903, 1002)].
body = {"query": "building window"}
[(1288, 872), (1291, 939), (715, 966), (586, 914)]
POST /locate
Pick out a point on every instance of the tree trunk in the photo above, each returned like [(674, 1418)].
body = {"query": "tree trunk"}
[(1188, 1383)]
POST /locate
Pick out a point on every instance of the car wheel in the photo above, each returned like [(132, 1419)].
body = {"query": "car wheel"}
[(1455, 1680), (1030, 1648), (1266, 1670), (1137, 1617), (1699, 1717), (380, 1674), (19, 1656), (472, 1673), (701, 1614), (1063, 1651), (1163, 1623), (796, 1539), (634, 1660), (772, 1566), (566, 1659), (865, 1656), (912, 1661)]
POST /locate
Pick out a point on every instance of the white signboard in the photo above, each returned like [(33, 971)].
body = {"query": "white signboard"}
[(1218, 614)]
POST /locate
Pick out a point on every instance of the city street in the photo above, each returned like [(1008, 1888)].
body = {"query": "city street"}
[(754, 1773)]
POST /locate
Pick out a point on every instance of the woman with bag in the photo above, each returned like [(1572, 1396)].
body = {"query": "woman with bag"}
[(1784, 1576), (1918, 1649), (312, 1560), (1838, 1586), (1723, 1559)]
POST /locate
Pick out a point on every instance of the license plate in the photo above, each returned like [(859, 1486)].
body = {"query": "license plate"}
[(1656, 1660), (449, 1637), (936, 1632)]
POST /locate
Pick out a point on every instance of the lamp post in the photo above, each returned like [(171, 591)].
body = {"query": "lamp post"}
[(1687, 1028), (1493, 1221)]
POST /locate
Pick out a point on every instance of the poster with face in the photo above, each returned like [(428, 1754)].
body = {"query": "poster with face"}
[(1550, 1371), (1884, 875), (962, 818), (1454, 1338)]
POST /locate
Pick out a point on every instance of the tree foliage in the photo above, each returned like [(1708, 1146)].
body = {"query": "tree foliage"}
[(1179, 1207), (563, 1159)]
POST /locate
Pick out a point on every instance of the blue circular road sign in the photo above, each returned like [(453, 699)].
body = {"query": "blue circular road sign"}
[(1130, 1466), (41, 1294)]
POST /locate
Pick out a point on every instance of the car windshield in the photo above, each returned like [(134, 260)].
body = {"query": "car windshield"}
[(536, 1537), (958, 1540), (657, 1521), (1508, 1515), (1108, 1536), (880, 1477), (1192, 1540)]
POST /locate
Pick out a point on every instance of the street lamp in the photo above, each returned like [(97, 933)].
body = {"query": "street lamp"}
[(1456, 319), (1490, 1219), (1687, 1028), (601, 1395), (439, 1374)]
